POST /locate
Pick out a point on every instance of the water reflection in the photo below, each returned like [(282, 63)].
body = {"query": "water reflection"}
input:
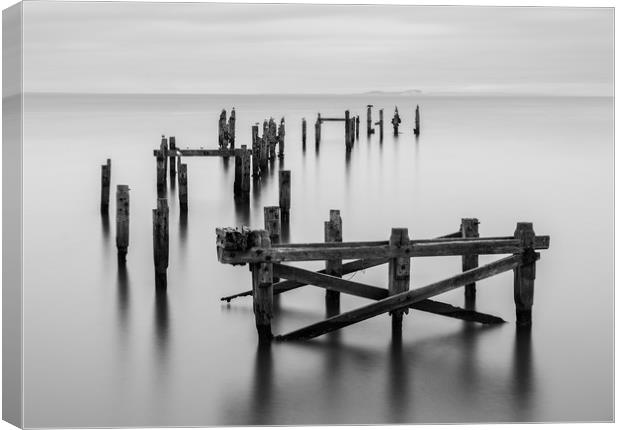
[(400, 403), (285, 224), (523, 379), (183, 228), (105, 226), (162, 328), (261, 412), (242, 211), (122, 294), (225, 162)]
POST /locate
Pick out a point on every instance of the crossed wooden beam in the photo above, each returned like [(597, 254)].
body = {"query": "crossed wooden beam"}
[(252, 246)]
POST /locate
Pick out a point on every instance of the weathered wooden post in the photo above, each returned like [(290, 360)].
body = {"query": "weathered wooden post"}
[(161, 174), (369, 129), (352, 132), (222, 131), (264, 154), (262, 288), (173, 148), (380, 123), (255, 152), (416, 130), (399, 269), (525, 274), (333, 233), (396, 121), (238, 175), (245, 172), (317, 130), (122, 222), (272, 139), (347, 130), (285, 193), (183, 187), (303, 133), (164, 149), (469, 228), (160, 242), (273, 226), (106, 176), (281, 139), (231, 129), (357, 127)]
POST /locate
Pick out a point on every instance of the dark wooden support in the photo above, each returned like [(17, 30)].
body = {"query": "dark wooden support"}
[(173, 147), (525, 274), (399, 276), (469, 228), (380, 124), (222, 136), (245, 155), (273, 139), (333, 233), (320, 279), (255, 152), (163, 147), (285, 193), (231, 129), (281, 139), (357, 127), (416, 130), (405, 299), (369, 129), (122, 222), (396, 121), (262, 286), (317, 130), (347, 130), (161, 174), (352, 132), (183, 187), (303, 133), (264, 154), (178, 161), (106, 176), (160, 242)]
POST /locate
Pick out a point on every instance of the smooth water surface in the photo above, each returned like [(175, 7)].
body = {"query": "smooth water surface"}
[(103, 349)]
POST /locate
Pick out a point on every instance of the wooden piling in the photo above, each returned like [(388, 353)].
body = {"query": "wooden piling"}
[(333, 233), (272, 139), (416, 130), (122, 222), (183, 187), (264, 154), (161, 174), (262, 289), (106, 176), (272, 223), (222, 131), (396, 121), (245, 155), (160, 242), (163, 147), (317, 130), (357, 127), (469, 228), (173, 146), (380, 123), (231, 129), (285, 193), (369, 129), (399, 276), (281, 139), (525, 274), (238, 176), (255, 152), (303, 133), (347, 130), (351, 132)]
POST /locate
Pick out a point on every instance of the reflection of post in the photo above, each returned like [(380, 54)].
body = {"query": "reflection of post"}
[(106, 174), (285, 193), (262, 394), (333, 233), (160, 242), (469, 228), (522, 374), (122, 222), (399, 277)]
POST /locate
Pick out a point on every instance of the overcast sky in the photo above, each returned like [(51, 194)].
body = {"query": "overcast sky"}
[(231, 48)]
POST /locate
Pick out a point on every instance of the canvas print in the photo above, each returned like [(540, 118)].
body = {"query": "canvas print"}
[(222, 214)]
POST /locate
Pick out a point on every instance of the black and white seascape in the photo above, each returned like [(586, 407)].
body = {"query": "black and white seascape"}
[(509, 157)]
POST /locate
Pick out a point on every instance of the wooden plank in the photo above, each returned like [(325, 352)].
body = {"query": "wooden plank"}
[(403, 299), (345, 251), (332, 119)]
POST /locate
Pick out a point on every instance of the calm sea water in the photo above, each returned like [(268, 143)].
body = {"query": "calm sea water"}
[(102, 349)]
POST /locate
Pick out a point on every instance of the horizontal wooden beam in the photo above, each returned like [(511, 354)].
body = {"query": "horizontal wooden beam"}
[(198, 152), (232, 254), (332, 119), (405, 299)]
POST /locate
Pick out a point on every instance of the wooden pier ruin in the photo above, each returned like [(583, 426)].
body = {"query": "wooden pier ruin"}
[(255, 247), (349, 128)]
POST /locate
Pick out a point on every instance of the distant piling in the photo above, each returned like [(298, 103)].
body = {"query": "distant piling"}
[(416, 130), (285, 193), (380, 124), (317, 130), (255, 152), (369, 129), (396, 121), (122, 222), (173, 147), (281, 133), (183, 187), (106, 176), (231, 129), (303, 133), (357, 127), (222, 131)]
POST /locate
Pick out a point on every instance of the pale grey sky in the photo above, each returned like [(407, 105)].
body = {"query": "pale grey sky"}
[(234, 48)]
